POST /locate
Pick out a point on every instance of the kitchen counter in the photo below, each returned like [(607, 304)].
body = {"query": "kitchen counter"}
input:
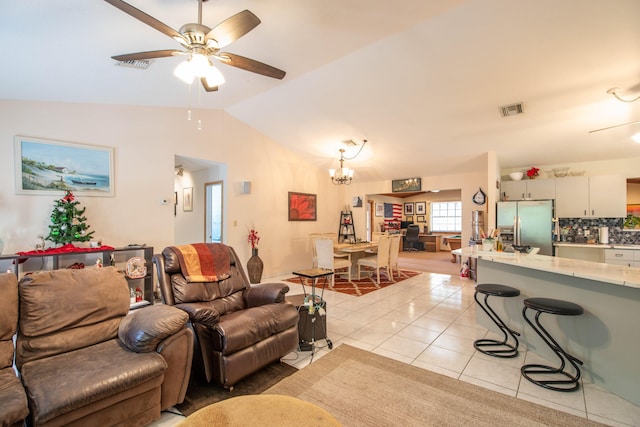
[(602, 337), (606, 273)]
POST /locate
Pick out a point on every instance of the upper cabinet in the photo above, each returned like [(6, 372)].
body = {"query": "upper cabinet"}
[(533, 189), (591, 196)]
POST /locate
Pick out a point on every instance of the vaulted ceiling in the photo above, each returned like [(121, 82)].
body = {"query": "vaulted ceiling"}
[(421, 80)]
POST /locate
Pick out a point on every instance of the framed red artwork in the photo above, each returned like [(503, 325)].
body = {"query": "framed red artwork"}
[(302, 207)]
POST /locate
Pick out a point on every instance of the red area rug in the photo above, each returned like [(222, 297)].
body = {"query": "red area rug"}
[(363, 286)]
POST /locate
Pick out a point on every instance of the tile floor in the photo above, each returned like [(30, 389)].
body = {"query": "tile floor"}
[(429, 321)]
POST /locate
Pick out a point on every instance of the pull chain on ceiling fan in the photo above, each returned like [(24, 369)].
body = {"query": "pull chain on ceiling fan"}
[(201, 43)]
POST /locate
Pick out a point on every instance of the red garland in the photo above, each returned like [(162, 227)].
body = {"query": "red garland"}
[(66, 249)]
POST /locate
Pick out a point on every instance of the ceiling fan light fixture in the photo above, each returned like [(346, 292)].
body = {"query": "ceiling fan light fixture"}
[(185, 71), (213, 76)]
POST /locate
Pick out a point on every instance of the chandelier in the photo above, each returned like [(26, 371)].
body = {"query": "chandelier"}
[(342, 175)]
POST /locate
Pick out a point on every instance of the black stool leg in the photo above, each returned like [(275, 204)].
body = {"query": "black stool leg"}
[(572, 382), (502, 348)]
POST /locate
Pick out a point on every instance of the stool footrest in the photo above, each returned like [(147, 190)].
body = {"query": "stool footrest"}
[(572, 382), (484, 346)]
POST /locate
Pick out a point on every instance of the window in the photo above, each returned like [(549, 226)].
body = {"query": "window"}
[(446, 216)]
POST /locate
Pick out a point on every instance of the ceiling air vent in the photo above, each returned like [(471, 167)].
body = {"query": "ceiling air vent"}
[(140, 64), (511, 110)]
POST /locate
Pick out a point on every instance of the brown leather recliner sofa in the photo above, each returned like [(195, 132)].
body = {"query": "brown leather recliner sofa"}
[(13, 400), (85, 360), (239, 328)]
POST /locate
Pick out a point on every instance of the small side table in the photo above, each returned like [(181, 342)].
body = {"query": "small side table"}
[(319, 279)]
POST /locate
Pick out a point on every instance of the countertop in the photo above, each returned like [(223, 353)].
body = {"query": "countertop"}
[(609, 273), (596, 245)]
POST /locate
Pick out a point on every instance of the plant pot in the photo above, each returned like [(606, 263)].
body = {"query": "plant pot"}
[(254, 267)]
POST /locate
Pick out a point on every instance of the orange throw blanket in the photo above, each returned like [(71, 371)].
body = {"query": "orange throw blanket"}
[(204, 262)]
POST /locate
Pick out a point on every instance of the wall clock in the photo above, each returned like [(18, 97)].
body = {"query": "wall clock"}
[(479, 198)]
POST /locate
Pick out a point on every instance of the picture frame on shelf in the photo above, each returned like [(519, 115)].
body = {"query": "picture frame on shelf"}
[(46, 166), (379, 209), (421, 208), (408, 208), (187, 199), (302, 207)]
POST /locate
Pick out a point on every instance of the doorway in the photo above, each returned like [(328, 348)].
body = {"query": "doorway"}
[(213, 211)]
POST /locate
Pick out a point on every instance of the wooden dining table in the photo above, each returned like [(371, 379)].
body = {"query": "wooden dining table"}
[(356, 250)]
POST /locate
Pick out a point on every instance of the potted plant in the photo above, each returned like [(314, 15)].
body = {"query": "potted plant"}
[(533, 172), (632, 222)]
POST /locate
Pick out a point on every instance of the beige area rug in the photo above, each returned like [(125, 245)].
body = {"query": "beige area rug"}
[(360, 388), (432, 262)]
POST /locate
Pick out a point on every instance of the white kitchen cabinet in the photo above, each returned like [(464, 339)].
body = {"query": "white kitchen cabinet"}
[(608, 196), (591, 197), (572, 197), (532, 189)]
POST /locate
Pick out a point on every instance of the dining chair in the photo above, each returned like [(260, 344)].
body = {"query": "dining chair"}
[(333, 237), (381, 260), (327, 260), (375, 236), (394, 249)]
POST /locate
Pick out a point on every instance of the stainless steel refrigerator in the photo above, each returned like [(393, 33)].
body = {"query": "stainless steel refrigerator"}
[(528, 222)]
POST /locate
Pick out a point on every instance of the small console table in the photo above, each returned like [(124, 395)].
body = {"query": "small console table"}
[(315, 303)]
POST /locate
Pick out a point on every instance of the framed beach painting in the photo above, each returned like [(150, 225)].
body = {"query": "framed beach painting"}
[(302, 207), (44, 166)]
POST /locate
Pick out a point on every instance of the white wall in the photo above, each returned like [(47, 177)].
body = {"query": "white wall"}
[(146, 139)]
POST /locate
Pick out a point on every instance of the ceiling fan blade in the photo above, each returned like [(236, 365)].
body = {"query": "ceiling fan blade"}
[(233, 28), (149, 20), (206, 86), (148, 55), (250, 65), (615, 126)]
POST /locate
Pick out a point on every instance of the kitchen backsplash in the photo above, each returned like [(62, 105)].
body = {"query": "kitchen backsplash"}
[(578, 226)]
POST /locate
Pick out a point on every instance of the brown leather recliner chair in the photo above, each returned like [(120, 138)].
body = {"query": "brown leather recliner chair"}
[(85, 360), (239, 328), (13, 400)]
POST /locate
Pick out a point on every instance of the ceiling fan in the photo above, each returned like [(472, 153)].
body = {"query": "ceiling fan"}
[(201, 43)]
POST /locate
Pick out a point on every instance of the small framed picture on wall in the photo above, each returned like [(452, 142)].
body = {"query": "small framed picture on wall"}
[(408, 208), (379, 209), (421, 208), (187, 199)]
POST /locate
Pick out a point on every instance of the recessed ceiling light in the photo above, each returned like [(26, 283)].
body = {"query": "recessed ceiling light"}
[(636, 137)]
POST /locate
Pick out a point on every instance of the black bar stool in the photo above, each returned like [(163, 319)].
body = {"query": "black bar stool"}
[(562, 308), (492, 347)]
